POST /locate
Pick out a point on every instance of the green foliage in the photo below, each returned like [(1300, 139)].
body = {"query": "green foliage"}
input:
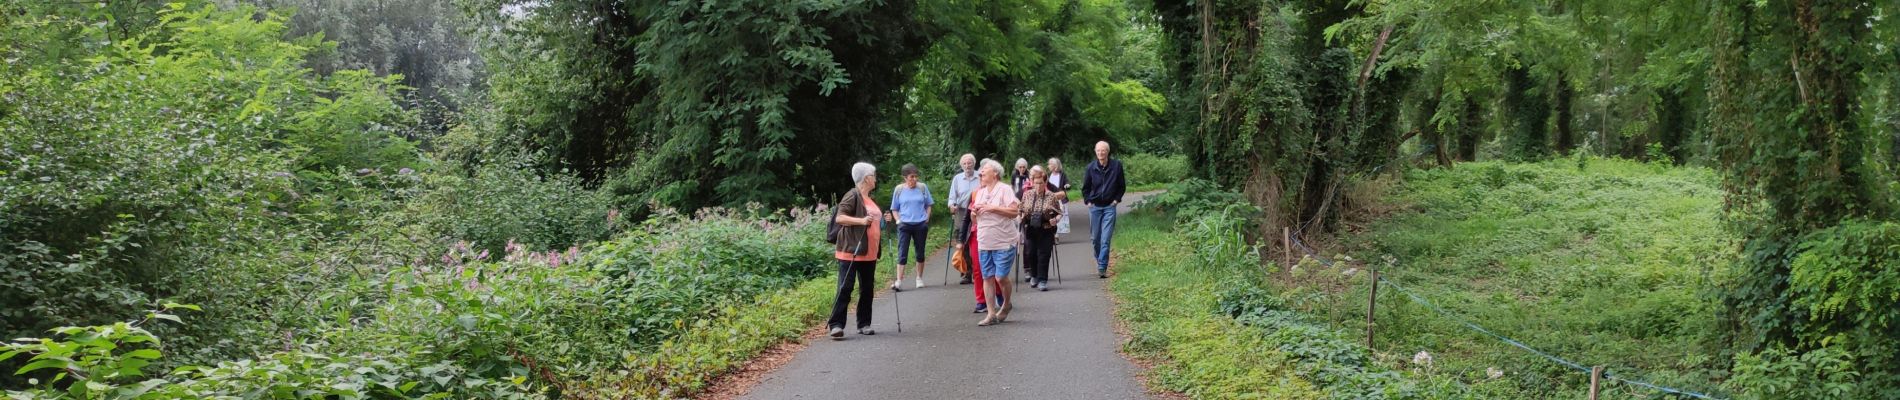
[(1778, 373), (776, 121), (1605, 262), (191, 159), (1149, 169), (502, 203), (108, 362), (1040, 77), (1792, 129), (680, 269), (414, 41), (1217, 334), (1191, 198)]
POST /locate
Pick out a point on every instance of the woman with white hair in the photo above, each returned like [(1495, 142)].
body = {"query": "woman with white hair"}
[(1040, 209), (1060, 182), (1021, 177), (995, 208), (857, 249)]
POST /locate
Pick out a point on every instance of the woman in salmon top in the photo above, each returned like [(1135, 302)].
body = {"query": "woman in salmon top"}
[(857, 250)]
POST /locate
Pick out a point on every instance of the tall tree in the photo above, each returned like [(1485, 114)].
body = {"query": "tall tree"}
[(1790, 127), (794, 91)]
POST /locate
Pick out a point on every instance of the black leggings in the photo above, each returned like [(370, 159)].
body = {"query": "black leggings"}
[(911, 235), (1040, 246), (850, 272)]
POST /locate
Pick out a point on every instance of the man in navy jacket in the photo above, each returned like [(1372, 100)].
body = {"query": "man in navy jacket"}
[(1102, 189)]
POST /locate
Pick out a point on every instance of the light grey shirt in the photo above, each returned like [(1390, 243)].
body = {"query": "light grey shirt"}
[(961, 185)]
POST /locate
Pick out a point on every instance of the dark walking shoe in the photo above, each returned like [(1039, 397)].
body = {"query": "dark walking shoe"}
[(980, 308), (837, 333), (1101, 273), (1043, 286), (965, 281)]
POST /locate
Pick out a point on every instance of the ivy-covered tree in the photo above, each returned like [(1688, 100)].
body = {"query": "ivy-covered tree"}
[(1820, 272)]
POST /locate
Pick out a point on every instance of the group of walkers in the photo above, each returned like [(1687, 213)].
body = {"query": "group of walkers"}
[(993, 221)]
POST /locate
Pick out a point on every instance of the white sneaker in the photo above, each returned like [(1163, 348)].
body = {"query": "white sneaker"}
[(920, 282)]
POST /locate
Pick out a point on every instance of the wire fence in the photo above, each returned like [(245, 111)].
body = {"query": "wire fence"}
[(1420, 300)]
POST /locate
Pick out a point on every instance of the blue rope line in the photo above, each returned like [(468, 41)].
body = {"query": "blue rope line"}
[(1454, 318)]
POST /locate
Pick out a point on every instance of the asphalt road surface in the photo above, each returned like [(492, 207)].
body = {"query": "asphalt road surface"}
[(1058, 344)]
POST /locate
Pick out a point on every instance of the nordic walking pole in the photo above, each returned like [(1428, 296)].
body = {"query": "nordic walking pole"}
[(1055, 252), (897, 306), (949, 257)]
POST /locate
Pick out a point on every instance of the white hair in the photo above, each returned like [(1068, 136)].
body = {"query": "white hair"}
[(1022, 162), (861, 170), (1034, 169), (991, 164), (1055, 163)]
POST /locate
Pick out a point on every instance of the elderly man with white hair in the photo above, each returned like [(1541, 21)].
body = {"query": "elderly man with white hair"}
[(857, 249), (1102, 189), (960, 186), (995, 208)]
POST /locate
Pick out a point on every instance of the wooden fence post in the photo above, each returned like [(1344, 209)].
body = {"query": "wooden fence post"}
[(1286, 242), (1372, 302), (1596, 374)]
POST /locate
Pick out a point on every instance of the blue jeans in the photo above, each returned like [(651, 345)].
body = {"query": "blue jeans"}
[(1101, 231)]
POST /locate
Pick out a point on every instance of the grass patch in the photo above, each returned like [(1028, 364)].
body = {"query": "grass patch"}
[(1602, 262), (1216, 333)]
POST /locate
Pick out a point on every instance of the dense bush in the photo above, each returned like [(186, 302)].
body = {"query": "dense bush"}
[(192, 160), (1193, 197), (1846, 279), (110, 361), (612, 320), (502, 203), (1148, 169)]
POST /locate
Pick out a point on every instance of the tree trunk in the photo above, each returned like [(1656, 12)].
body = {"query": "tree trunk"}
[(1470, 127), (1566, 137), (1672, 126), (1530, 114), (1429, 134)]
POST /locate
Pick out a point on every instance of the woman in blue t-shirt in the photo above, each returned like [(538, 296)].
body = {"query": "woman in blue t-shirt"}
[(910, 203)]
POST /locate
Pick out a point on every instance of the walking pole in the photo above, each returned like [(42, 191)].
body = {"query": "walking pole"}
[(1055, 252), (1017, 282), (946, 261), (896, 305)]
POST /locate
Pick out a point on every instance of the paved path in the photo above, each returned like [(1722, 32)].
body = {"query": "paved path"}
[(1058, 344)]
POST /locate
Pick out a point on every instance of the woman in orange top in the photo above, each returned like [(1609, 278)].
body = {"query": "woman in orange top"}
[(857, 250)]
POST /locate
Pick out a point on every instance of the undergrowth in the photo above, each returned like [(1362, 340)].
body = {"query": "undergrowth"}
[(1603, 262)]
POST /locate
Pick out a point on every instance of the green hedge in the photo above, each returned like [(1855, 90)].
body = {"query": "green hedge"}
[(1145, 170), (654, 313)]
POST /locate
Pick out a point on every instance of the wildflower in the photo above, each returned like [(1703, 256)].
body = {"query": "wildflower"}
[(1349, 271), (405, 171), (483, 255), (1493, 372), (1422, 358)]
